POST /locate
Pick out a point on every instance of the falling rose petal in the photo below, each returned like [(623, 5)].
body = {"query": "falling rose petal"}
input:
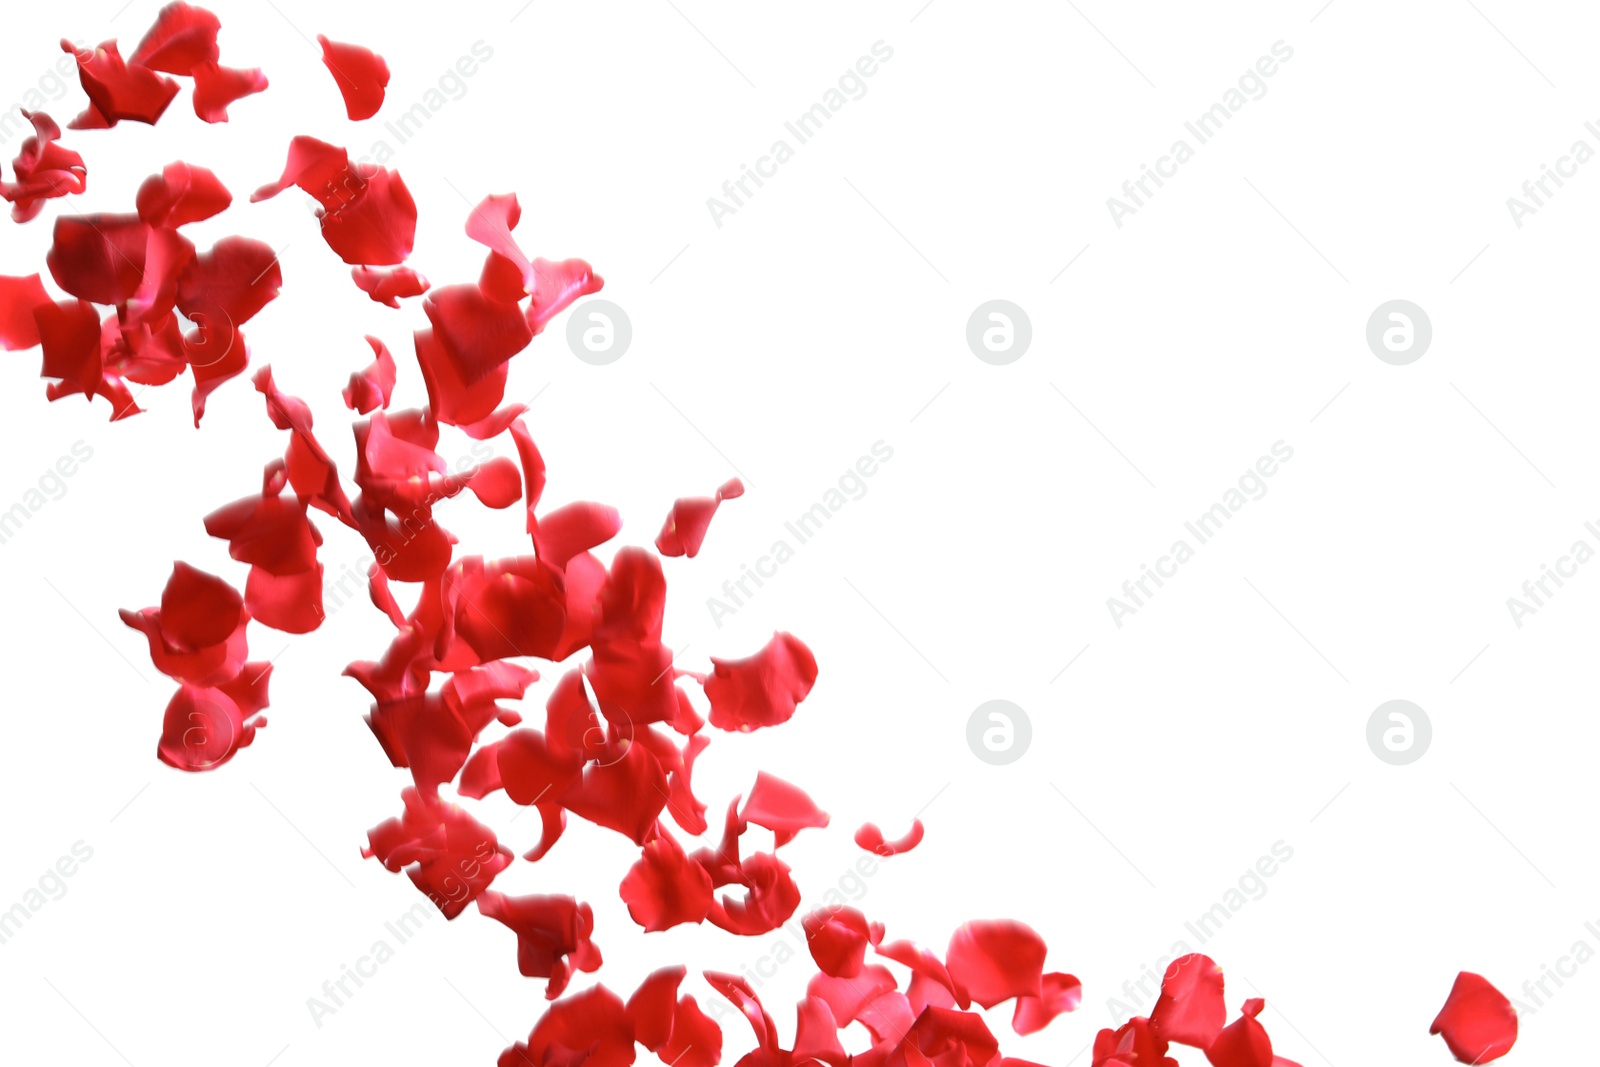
[(497, 484), (181, 194), (666, 888), (197, 634), (587, 1029), (288, 602), (236, 279), (1477, 1022), (770, 898), (837, 937), (556, 286), (781, 807), (118, 90), (447, 854), (476, 332), (816, 1034), (763, 689), (690, 518), (361, 75), (371, 388), (451, 398), (847, 998), (217, 87), (44, 170), (389, 285), (1244, 1042), (738, 993), (99, 258), (1135, 1044), (992, 961), (552, 935), (377, 225), (945, 1036), (1060, 993), (696, 1039), (1190, 1010), (651, 1008), (626, 795), (19, 297), (317, 168), (183, 37), (203, 728), (870, 838)]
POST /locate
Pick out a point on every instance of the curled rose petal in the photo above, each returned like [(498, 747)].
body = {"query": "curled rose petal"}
[(1060, 993), (361, 74), (118, 90), (870, 838), (447, 854), (44, 169), (763, 689), (992, 961), (389, 285), (371, 388), (1477, 1022), (696, 1039), (552, 935), (204, 727), (1190, 1010), (690, 518)]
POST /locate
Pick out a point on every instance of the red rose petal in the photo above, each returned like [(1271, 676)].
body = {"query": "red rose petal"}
[(552, 935), (837, 937), (182, 194), (991, 961), (447, 854), (666, 888), (371, 388), (99, 258), (1190, 1010), (204, 728), (1244, 1042), (763, 689), (361, 74), (696, 1039), (389, 285), (236, 278), (118, 90), (690, 518), (870, 838), (182, 38), (44, 169), (653, 1006), (1060, 993), (1477, 1022), (217, 87), (1135, 1044), (19, 297), (781, 807)]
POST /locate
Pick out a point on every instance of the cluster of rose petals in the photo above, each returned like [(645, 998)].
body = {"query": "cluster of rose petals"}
[(623, 726)]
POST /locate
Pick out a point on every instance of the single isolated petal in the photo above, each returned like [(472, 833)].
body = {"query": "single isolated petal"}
[(389, 285), (371, 388), (1477, 1022), (666, 887), (1243, 1042), (690, 518), (837, 937), (871, 838), (181, 194), (44, 169), (783, 808), (763, 689), (552, 935), (361, 74)]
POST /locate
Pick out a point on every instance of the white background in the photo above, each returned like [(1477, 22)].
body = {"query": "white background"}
[(827, 314)]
